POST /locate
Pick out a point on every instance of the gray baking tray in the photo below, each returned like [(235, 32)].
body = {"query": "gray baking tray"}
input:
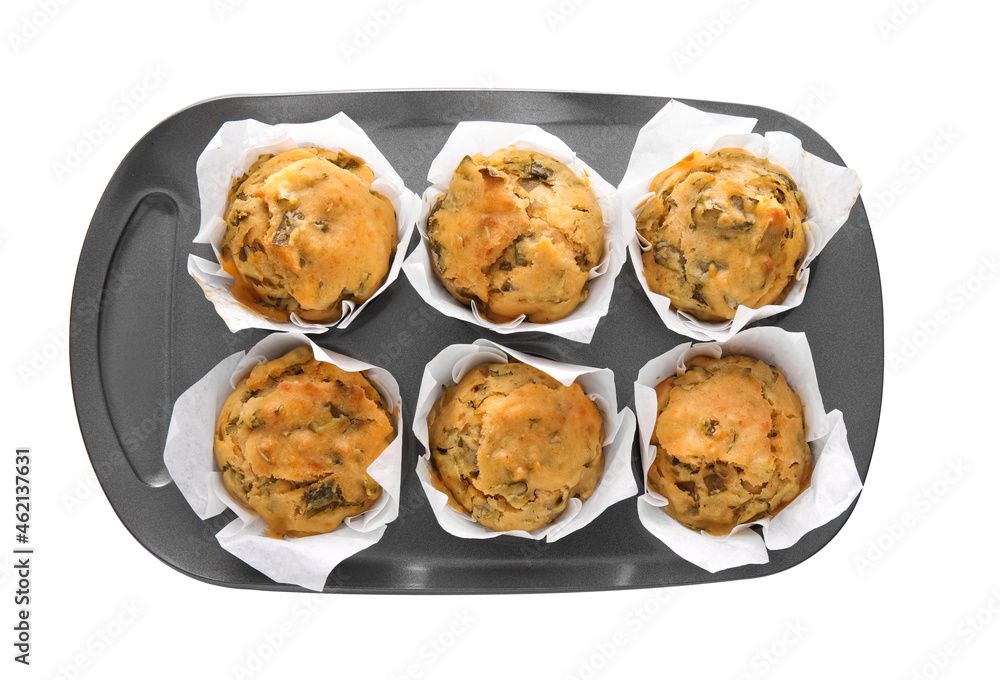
[(141, 332)]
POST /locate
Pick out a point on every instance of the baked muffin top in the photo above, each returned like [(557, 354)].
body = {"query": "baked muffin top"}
[(730, 443), (518, 233), (726, 229), (305, 232), (511, 445), (294, 441)]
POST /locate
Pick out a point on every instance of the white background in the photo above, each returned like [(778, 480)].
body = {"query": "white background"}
[(884, 81)]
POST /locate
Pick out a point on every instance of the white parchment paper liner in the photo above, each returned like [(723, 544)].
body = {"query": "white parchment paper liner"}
[(677, 130), (616, 484), (235, 147), (188, 456), (835, 481), (485, 137)]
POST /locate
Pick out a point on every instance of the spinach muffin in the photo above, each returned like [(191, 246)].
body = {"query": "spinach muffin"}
[(516, 233), (730, 444), (294, 441), (510, 445), (725, 229), (306, 232)]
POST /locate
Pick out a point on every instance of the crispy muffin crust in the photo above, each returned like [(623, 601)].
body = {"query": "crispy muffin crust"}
[(511, 445), (518, 233), (294, 441), (730, 443), (305, 232), (726, 230)]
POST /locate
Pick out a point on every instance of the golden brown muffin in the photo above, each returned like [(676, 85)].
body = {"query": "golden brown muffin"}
[(726, 230), (730, 443), (294, 441), (511, 445), (305, 232), (518, 233)]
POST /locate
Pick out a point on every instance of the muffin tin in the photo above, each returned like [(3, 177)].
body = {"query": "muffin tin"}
[(154, 335)]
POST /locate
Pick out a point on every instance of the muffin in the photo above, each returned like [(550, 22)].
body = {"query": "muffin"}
[(517, 233), (730, 443), (511, 445), (306, 232), (726, 229), (294, 441)]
